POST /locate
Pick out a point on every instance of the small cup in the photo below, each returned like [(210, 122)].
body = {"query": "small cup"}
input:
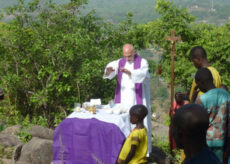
[(111, 103), (85, 105), (77, 105)]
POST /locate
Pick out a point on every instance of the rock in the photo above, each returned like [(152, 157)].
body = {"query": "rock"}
[(7, 161), (12, 130), (41, 132), (17, 152), (9, 140), (37, 151), (159, 156), (21, 162)]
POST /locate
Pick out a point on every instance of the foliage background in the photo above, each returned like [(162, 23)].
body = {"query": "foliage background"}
[(52, 55)]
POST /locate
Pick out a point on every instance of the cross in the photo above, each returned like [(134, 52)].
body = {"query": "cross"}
[(173, 39)]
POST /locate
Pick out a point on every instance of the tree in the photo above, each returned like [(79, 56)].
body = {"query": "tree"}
[(214, 39), (53, 56)]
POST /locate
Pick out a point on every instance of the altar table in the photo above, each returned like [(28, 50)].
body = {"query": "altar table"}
[(85, 138)]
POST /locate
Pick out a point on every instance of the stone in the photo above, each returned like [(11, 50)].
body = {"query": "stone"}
[(37, 151), (41, 132), (17, 152), (21, 162), (12, 130), (7, 161), (159, 156), (9, 140)]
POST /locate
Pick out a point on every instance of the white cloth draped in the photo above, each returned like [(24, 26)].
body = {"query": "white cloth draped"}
[(128, 95)]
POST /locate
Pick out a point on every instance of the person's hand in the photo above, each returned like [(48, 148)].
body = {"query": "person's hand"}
[(170, 112), (125, 71), (109, 70)]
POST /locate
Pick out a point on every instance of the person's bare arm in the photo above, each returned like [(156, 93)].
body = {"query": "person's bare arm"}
[(195, 94), (131, 154)]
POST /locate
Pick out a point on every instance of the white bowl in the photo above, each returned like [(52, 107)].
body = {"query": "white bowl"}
[(109, 111), (117, 111)]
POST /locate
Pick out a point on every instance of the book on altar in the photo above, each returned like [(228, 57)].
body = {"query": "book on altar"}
[(95, 102)]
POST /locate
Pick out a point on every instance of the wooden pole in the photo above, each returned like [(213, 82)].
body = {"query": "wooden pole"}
[(173, 40)]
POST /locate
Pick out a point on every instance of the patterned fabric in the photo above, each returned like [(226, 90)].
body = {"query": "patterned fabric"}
[(216, 102), (216, 81), (137, 137)]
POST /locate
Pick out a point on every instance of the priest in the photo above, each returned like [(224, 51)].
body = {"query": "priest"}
[(132, 88)]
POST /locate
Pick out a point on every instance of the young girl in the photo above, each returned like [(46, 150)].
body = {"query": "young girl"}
[(179, 102), (134, 149)]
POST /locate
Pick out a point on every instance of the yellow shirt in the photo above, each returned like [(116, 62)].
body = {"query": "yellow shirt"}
[(137, 137), (216, 81)]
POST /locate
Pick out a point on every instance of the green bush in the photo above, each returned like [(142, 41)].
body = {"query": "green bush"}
[(54, 56)]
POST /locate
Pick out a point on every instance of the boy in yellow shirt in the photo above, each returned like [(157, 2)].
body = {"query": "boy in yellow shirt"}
[(135, 147), (199, 58)]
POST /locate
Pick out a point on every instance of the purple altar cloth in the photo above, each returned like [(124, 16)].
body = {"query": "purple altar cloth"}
[(86, 141)]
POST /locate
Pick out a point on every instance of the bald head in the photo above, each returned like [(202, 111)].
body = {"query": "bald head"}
[(190, 123), (129, 52)]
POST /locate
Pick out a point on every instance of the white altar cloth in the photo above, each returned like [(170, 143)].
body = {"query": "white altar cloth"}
[(121, 120)]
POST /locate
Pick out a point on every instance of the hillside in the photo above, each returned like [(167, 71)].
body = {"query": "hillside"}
[(115, 10), (144, 10)]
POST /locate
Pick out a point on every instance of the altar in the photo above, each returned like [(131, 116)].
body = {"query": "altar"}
[(121, 120), (87, 138)]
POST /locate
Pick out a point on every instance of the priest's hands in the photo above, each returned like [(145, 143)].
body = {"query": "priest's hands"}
[(109, 70), (125, 71)]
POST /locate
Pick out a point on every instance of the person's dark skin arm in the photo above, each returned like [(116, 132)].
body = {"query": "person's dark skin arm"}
[(195, 93), (131, 154)]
